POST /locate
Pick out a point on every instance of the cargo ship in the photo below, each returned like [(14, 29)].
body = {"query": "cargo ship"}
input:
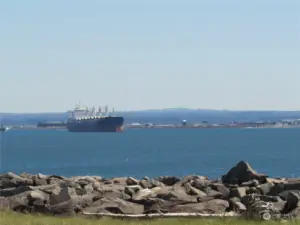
[(83, 119)]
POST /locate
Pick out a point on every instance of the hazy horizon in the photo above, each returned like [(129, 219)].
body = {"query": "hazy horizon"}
[(235, 55), (159, 109)]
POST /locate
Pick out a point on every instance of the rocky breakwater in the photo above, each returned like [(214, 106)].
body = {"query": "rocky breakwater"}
[(241, 190)]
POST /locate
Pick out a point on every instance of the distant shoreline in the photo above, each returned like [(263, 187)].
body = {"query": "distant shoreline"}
[(166, 127)]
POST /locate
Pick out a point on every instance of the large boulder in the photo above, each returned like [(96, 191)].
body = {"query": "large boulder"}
[(221, 188), (292, 205), (215, 206), (11, 180), (194, 191), (168, 180), (157, 205), (132, 181), (242, 173), (115, 205), (143, 194), (200, 183), (238, 192), (7, 192), (19, 202), (180, 197), (61, 202)]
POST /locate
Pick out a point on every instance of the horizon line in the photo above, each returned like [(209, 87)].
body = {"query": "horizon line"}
[(164, 109)]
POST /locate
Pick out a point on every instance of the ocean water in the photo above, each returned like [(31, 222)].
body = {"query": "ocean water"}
[(151, 152)]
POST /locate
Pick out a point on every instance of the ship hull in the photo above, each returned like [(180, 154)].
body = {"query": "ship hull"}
[(106, 124)]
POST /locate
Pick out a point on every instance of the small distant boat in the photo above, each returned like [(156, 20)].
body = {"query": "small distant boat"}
[(3, 128)]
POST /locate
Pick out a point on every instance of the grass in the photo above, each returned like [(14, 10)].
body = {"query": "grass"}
[(12, 218)]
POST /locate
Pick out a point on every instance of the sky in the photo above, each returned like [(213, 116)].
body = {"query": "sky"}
[(133, 54)]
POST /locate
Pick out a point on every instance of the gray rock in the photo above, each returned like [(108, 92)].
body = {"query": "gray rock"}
[(146, 184), (19, 202), (143, 194), (14, 191), (83, 201), (201, 184), (191, 178), (179, 197), (111, 187), (292, 185), (61, 195), (156, 183), (212, 193), (285, 194), (251, 183), (115, 194), (120, 180), (220, 188), (49, 188), (265, 188), (194, 191), (26, 176), (11, 180), (168, 180), (236, 205), (132, 181), (38, 195), (55, 180), (39, 182), (215, 206), (97, 185), (241, 173), (205, 198), (131, 190), (292, 205), (83, 181), (158, 206), (42, 176), (65, 208), (276, 189), (253, 190), (162, 191), (239, 192), (118, 206), (89, 188)]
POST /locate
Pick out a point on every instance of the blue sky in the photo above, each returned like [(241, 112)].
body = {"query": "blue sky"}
[(149, 54)]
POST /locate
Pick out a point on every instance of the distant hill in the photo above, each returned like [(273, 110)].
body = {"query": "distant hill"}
[(161, 116)]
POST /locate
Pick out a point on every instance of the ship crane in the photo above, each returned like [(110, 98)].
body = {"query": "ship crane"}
[(106, 111), (93, 111), (99, 111)]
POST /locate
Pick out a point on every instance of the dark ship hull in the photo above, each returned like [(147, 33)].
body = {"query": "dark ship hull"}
[(104, 124), (2, 128)]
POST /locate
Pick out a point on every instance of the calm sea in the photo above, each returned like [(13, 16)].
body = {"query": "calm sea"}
[(151, 152)]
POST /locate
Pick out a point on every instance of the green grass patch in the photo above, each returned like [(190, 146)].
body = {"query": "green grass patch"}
[(12, 218)]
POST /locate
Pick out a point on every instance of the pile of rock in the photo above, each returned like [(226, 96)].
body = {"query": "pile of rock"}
[(191, 194)]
